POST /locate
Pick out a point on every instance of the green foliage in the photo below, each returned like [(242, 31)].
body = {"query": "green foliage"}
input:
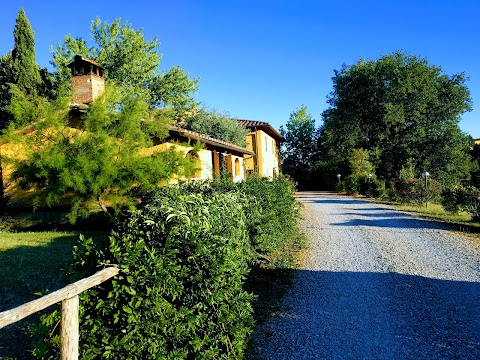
[(475, 165), (403, 109), (408, 170), (359, 163), (271, 212), (217, 125), (102, 161), (324, 175), (362, 185), (462, 198), (299, 148), (130, 61), (18, 67), (173, 89), (6, 77), (25, 70), (270, 209), (413, 191), (180, 293), (184, 254)]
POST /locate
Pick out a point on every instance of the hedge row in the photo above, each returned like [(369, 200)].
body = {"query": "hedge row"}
[(405, 191), (184, 255), (462, 198)]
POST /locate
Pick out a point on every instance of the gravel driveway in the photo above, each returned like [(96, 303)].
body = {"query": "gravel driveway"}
[(377, 284)]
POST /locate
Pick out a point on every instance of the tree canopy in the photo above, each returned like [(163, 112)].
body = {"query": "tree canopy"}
[(360, 164), (25, 71), (217, 125), (299, 148), (400, 109), (130, 61)]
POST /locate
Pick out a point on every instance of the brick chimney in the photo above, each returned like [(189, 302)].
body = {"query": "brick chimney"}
[(88, 80)]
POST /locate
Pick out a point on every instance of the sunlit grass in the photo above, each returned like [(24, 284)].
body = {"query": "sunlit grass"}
[(436, 211), (31, 263), (459, 222)]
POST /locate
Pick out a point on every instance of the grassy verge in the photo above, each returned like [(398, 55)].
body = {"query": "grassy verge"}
[(270, 283), (458, 222), (31, 263)]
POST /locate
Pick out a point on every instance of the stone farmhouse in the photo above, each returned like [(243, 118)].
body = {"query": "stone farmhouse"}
[(261, 156)]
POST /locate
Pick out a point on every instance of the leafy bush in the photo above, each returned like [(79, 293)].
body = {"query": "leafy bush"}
[(271, 212), (412, 191), (462, 198), (361, 185), (184, 255), (269, 205), (180, 294)]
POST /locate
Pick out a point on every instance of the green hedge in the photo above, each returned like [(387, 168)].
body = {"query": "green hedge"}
[(412, 191), (270, 208), (462, 198), (184, 255)]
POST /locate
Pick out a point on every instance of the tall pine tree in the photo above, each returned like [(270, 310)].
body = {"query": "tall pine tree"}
[(26, 74)]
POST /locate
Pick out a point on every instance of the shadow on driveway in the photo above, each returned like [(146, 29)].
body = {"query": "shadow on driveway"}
[(397, 222), (349, 315)]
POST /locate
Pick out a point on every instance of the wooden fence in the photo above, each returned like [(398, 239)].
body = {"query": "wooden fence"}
[(69, 322)]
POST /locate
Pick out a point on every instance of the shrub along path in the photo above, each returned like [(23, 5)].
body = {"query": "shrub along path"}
[(378, 284)]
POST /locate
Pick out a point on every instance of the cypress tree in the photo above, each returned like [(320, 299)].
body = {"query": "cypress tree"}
[(6, 65), (26, 74)]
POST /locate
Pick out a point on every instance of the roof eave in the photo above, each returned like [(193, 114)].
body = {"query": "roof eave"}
[(209, 140)]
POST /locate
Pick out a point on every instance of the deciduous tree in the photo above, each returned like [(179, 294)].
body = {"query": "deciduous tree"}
[(217, 125), (360, 163), (401, 108), (298, 150), (131, 61)]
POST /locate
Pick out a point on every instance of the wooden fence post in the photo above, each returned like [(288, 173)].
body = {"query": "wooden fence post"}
[(69, 326), (69, 329)]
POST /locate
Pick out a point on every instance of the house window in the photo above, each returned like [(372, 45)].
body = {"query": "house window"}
[(237, 167)]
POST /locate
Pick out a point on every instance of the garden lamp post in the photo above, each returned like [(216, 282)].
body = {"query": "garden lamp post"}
[(369, 177), (338, 177), (426, 174)]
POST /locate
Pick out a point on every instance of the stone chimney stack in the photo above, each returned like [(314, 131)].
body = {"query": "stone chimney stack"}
[(88, 80)]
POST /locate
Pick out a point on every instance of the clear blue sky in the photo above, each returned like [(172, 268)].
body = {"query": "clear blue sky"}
[(262, 59)]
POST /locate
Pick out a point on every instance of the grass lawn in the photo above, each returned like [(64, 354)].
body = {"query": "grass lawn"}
[(457, 222), (31, 262)]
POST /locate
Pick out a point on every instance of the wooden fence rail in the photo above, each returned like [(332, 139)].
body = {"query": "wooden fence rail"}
[(69, 298)]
